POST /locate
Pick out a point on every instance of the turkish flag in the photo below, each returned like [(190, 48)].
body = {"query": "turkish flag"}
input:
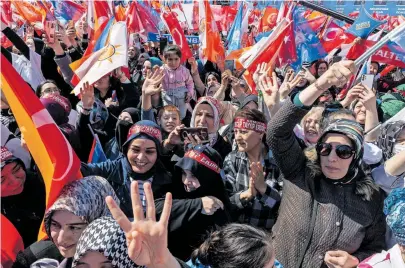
[(333, 36), (288, 50), (178, 35), (383, 55), (269, 19)]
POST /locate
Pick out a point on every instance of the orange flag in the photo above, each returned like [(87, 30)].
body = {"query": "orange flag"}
[(52, 153), (211, 47), (29, 12)]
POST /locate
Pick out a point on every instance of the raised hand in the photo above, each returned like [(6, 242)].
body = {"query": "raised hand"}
[(337, 75), (352, 94), (174, 136), (87, 96), (262, 70), (270, 90), (368, 98), (146, 237), (290, 82), (194, 65), (225, 78), (153, 82)]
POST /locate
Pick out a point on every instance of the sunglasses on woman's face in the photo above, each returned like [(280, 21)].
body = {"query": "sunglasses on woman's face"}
[(342, 151)]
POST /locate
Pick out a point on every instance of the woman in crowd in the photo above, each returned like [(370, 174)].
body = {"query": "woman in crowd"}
[(334, 230), (309, 130), (206, 114), (140, 162), (79, 203), (201, 203), (251, 176), (22, 196), (394, 208)]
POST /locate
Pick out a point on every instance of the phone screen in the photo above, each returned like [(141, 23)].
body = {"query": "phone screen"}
[(367, 80), (202, 133), (229, 65), (50, 28)]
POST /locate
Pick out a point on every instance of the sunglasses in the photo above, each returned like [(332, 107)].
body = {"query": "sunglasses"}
[(342, 151)]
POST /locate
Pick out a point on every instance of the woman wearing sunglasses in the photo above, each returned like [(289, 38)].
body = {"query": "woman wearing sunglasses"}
[(337, 208)]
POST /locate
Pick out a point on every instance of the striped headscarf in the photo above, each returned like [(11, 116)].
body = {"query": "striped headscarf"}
[(84, 198), (105, 236)]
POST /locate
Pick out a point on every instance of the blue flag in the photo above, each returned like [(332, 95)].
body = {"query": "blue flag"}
[(97, 154), (309, 47), (234, 39), (364, 25)]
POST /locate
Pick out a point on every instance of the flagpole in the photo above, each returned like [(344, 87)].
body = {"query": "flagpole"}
[(331, 13), (369, 52)]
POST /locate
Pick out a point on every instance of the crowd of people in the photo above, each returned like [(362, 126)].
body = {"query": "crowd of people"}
[(201, 171)]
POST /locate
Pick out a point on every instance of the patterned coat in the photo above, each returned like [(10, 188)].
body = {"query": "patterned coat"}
[(315, 215)]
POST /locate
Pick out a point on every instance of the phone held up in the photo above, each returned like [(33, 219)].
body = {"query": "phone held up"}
[(201, 132)]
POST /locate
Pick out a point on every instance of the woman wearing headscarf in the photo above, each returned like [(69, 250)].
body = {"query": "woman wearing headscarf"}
[(206, 114), (140, 162), (79, 203), (394, 209), (103, 244), (201, 202), (22, 196), (336, 207)]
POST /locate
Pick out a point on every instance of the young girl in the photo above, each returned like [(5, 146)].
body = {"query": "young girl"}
[(178, 85)]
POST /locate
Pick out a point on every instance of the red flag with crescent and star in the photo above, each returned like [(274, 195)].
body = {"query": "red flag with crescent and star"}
[(52, 152), (178, 35)]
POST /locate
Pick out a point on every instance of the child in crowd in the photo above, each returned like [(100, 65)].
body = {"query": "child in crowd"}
[(178, 85)]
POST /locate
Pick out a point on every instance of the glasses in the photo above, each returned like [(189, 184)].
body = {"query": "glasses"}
[(342, 151), (51, 90)]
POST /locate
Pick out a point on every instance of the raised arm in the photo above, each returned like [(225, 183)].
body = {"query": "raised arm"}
[(17, 41), (199, 85), (280, 136), (152, 85)]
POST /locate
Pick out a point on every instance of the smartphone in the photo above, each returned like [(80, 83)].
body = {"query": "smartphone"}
[(201, 132), (163, 44), (50, 28), (114, 96), (230, 65), (367, 80)]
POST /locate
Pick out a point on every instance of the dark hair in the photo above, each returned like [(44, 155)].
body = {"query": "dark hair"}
[(378, 65), (251, 114), (39, 87), (235, 246), (171, 49), (317, 64)]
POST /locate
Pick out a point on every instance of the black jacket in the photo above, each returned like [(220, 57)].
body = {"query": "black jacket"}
[(119, 174), (26, 210)]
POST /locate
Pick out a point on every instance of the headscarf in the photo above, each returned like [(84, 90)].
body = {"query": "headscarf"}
[(354, 131), (144, 129), (215, 105), (7, 157), (155, 61), (105, 236), (58, 107), (216, 75), (205, 163), (84, 198), (394, 209)]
